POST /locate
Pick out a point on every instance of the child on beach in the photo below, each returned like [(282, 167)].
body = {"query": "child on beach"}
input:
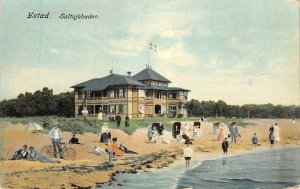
[(225, 146), (187, 153), (254, 140)]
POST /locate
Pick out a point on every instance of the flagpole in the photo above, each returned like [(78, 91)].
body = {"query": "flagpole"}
[(148, 55)]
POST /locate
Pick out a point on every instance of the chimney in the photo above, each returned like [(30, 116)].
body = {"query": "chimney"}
[(110, 72), (128, 73)]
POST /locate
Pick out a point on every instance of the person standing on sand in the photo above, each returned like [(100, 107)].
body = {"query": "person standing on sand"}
[(221, 134), (272, 139), (225, 146), (126, 121), (187, 153), (254, 140), (232, 132), (276, 132), (56, 137), (271, 131)]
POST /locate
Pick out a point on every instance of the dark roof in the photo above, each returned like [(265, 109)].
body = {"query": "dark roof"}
[(99, 84), (149, 74), (164, 88)]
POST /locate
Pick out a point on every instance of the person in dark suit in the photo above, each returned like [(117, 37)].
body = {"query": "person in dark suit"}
[(126, 121), (74, 140), (225, 146), (118, 120), (20, 154), (271, 131)]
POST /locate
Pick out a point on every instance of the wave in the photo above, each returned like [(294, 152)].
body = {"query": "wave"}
[(255, 181)]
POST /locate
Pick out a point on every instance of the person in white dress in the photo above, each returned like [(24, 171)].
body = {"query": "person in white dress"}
[(276, 132), (187, 153), (100, 116), (85, 112), (99, 151)]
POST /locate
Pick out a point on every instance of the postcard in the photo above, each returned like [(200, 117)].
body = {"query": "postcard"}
[(149, 94)]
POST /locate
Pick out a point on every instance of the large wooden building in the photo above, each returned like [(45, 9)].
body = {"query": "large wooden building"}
[(145, 94)]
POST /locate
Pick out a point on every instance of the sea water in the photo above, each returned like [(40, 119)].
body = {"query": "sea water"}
[(274, 168)]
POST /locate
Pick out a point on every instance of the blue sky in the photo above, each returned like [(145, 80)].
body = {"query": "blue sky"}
[(235, 50)]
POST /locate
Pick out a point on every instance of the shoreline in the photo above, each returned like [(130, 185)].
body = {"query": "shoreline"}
[(199, 159)]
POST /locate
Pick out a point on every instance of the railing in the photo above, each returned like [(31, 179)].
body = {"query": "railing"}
[(125, 98)]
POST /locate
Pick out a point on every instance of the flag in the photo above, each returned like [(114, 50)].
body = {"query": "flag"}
[(153, 47)]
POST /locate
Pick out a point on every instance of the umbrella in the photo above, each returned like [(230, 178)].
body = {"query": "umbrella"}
[(33, 127)]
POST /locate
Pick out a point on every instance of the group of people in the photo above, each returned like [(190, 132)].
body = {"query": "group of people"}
[(32, 155), (118, 119), (220, 133), (155, 131), (115, 149), (273, 136)]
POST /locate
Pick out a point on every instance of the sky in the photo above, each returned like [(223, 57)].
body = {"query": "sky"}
[(241, 52)]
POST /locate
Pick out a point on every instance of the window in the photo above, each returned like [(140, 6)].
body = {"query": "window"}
[(172, 95), (172, 107), (120, 93), (121, 108), (111, 94), (112, 109)]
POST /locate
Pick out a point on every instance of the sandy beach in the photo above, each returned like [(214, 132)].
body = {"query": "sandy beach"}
[(89, 170)]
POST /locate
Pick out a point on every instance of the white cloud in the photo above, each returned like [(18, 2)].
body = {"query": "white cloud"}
[(53, 50), (175, 33), (122, 53), (177, 55), (166, 24)]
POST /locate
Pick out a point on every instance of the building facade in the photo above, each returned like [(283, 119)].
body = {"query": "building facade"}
[(145, 94)]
